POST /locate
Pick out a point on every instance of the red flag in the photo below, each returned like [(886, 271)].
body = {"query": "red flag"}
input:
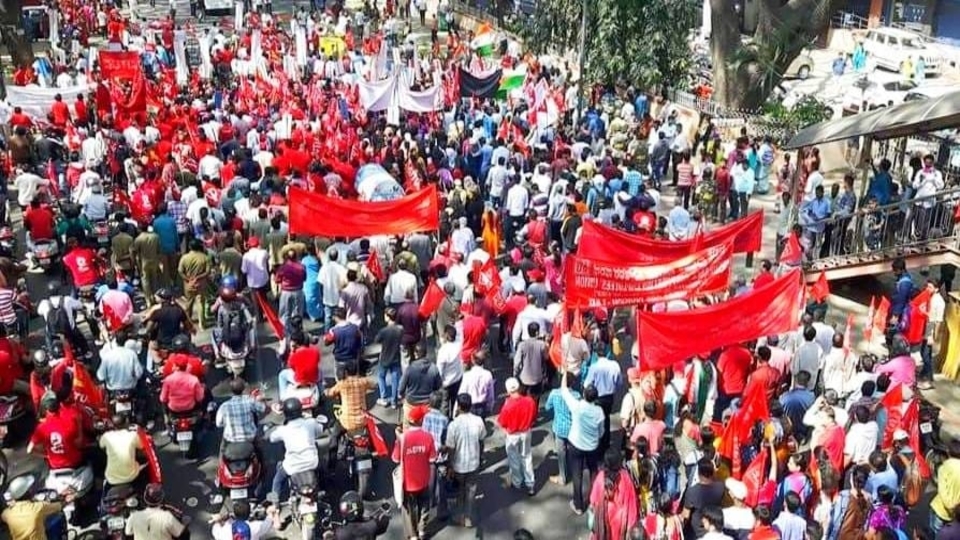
[(820, 290), (871, 312), (379, 444), (880, 317), (576, 326), (54, 178), (558, 329), (373, 265), (892, 402), (85, 389), (919, 315), (432, 298), (487, 278), (150, 451), (497, 302), (792, 253), (756, 475), (911, 424), (753, 407), (110, 317), (848, 334), (270, 315)]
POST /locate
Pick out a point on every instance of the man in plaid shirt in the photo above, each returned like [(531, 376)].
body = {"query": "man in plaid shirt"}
[(178, 211), (239, 415)]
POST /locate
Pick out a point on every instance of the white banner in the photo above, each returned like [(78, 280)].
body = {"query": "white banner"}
[(422, 101), (36, 101), (238, 16), (180, 56), (377, 96)]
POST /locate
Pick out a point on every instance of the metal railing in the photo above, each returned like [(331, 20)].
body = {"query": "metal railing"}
[(914, 226), (853, 21)]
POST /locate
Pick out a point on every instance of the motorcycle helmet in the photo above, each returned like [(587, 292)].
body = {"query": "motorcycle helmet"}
[(230, 281), (165, 294), (56, 350), (292, 409), (351, 506), (228, 294), (53, 288), (180, 343), (20, 488), (40, 359)]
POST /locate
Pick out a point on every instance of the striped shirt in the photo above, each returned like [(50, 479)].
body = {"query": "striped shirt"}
[(7, 315), (685, 174)]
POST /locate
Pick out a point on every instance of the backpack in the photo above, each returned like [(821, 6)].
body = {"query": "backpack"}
[(234, 329), (58, 320), (912, 488)]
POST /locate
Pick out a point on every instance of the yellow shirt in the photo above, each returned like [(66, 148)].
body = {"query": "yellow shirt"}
[(948, 489), (121, 448), (25, 519), (153, 524)]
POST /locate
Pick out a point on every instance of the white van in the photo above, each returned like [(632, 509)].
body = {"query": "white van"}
[(890, 48)]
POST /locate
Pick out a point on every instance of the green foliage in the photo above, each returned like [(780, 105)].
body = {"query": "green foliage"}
[(807, 111), (629, 42)]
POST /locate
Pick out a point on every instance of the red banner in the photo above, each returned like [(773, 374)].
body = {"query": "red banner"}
[(317, 215), (666, 338), (593, 283), (605, 244), (119, 64)]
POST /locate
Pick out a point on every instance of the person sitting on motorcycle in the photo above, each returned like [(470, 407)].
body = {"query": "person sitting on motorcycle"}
[(46, 378), (73, 225), (356, 526), (40, 223), (121, 444), (10, 267), (303, 366), (240, 526), (239, 415), (120, 369), (83, 265), (13, 377), (352, 390), (156, 521), (180, 353), (60, 314), (28, 519), (181, 391), (166, 320), (298, 435), (235, 324), (59, 436), (115, 304)]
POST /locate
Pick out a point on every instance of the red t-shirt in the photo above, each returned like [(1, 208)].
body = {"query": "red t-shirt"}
[(41, 223), (60, 113), (194, 365), (82, 263), (418, 452), (767, 377), (10, 371), (474, 334), (59, 433), (734, 365), (305, 363), (762, 279), (517, 414)]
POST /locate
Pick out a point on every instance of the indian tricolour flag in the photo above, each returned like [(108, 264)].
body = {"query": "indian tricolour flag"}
[(484, 40), (512, 79)]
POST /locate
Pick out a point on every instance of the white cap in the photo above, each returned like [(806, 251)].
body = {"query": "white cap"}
[(737, 489), (900, 435), (512, 385)]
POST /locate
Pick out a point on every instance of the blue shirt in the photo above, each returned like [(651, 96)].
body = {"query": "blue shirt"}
[(887, 478), (880, 187), (604, 375), (634, 180), (795, 404), (166, 228), (561, 413), (901, 295), (815, 211), (586, 425)]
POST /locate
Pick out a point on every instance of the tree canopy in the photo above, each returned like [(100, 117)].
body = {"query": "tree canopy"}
[(629, 42)]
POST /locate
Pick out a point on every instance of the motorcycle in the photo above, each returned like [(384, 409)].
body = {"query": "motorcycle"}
[(79, 481), (183, 428), (14, 416), (309, 396), (101, 232), (234, 359), (239, 470), (46, 253), (118, 503), (122, 402), (304, 507), (56, 525), (358, 454), (329, 524)]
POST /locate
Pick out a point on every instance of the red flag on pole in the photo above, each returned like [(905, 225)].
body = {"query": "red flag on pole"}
[(150, 451), (86, 392), (919, 315), (54, 178), (432, 298), (848, 335), (911, 424), (373, 265), (820, 290), (269, 314), (792, 253), (880, 317), (559, 328), (892, 401), (871, 312)]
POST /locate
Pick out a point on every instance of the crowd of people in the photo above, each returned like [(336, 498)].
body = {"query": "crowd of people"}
[(193, 188)]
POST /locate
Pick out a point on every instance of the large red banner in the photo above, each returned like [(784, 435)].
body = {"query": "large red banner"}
[(594, 283), (318, 215), (603, 243), (666, 338), (119, 64)]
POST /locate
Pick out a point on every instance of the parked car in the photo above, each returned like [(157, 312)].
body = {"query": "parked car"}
[(800, 68), (875, 91), (930, 92), (889, 48)]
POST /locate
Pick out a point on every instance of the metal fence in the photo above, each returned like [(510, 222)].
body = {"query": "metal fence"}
[(731, 120)]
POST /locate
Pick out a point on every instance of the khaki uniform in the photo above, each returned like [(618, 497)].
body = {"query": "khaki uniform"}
[(195, 268), (229, 263), (146, 253), (121, 249)]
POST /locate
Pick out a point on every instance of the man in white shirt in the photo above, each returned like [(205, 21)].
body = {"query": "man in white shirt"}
[(861, 438), (223, 526), (133, 136), (210, 165), (399, 283), (529, 314), (461, 239), (93, 150), (518, 201), (332, 277), (448, 362), (28, 184), (933, 333), (255, 265), (96, 206)]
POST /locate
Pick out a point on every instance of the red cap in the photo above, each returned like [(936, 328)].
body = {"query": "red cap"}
[(253, 242), (417, 414)]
